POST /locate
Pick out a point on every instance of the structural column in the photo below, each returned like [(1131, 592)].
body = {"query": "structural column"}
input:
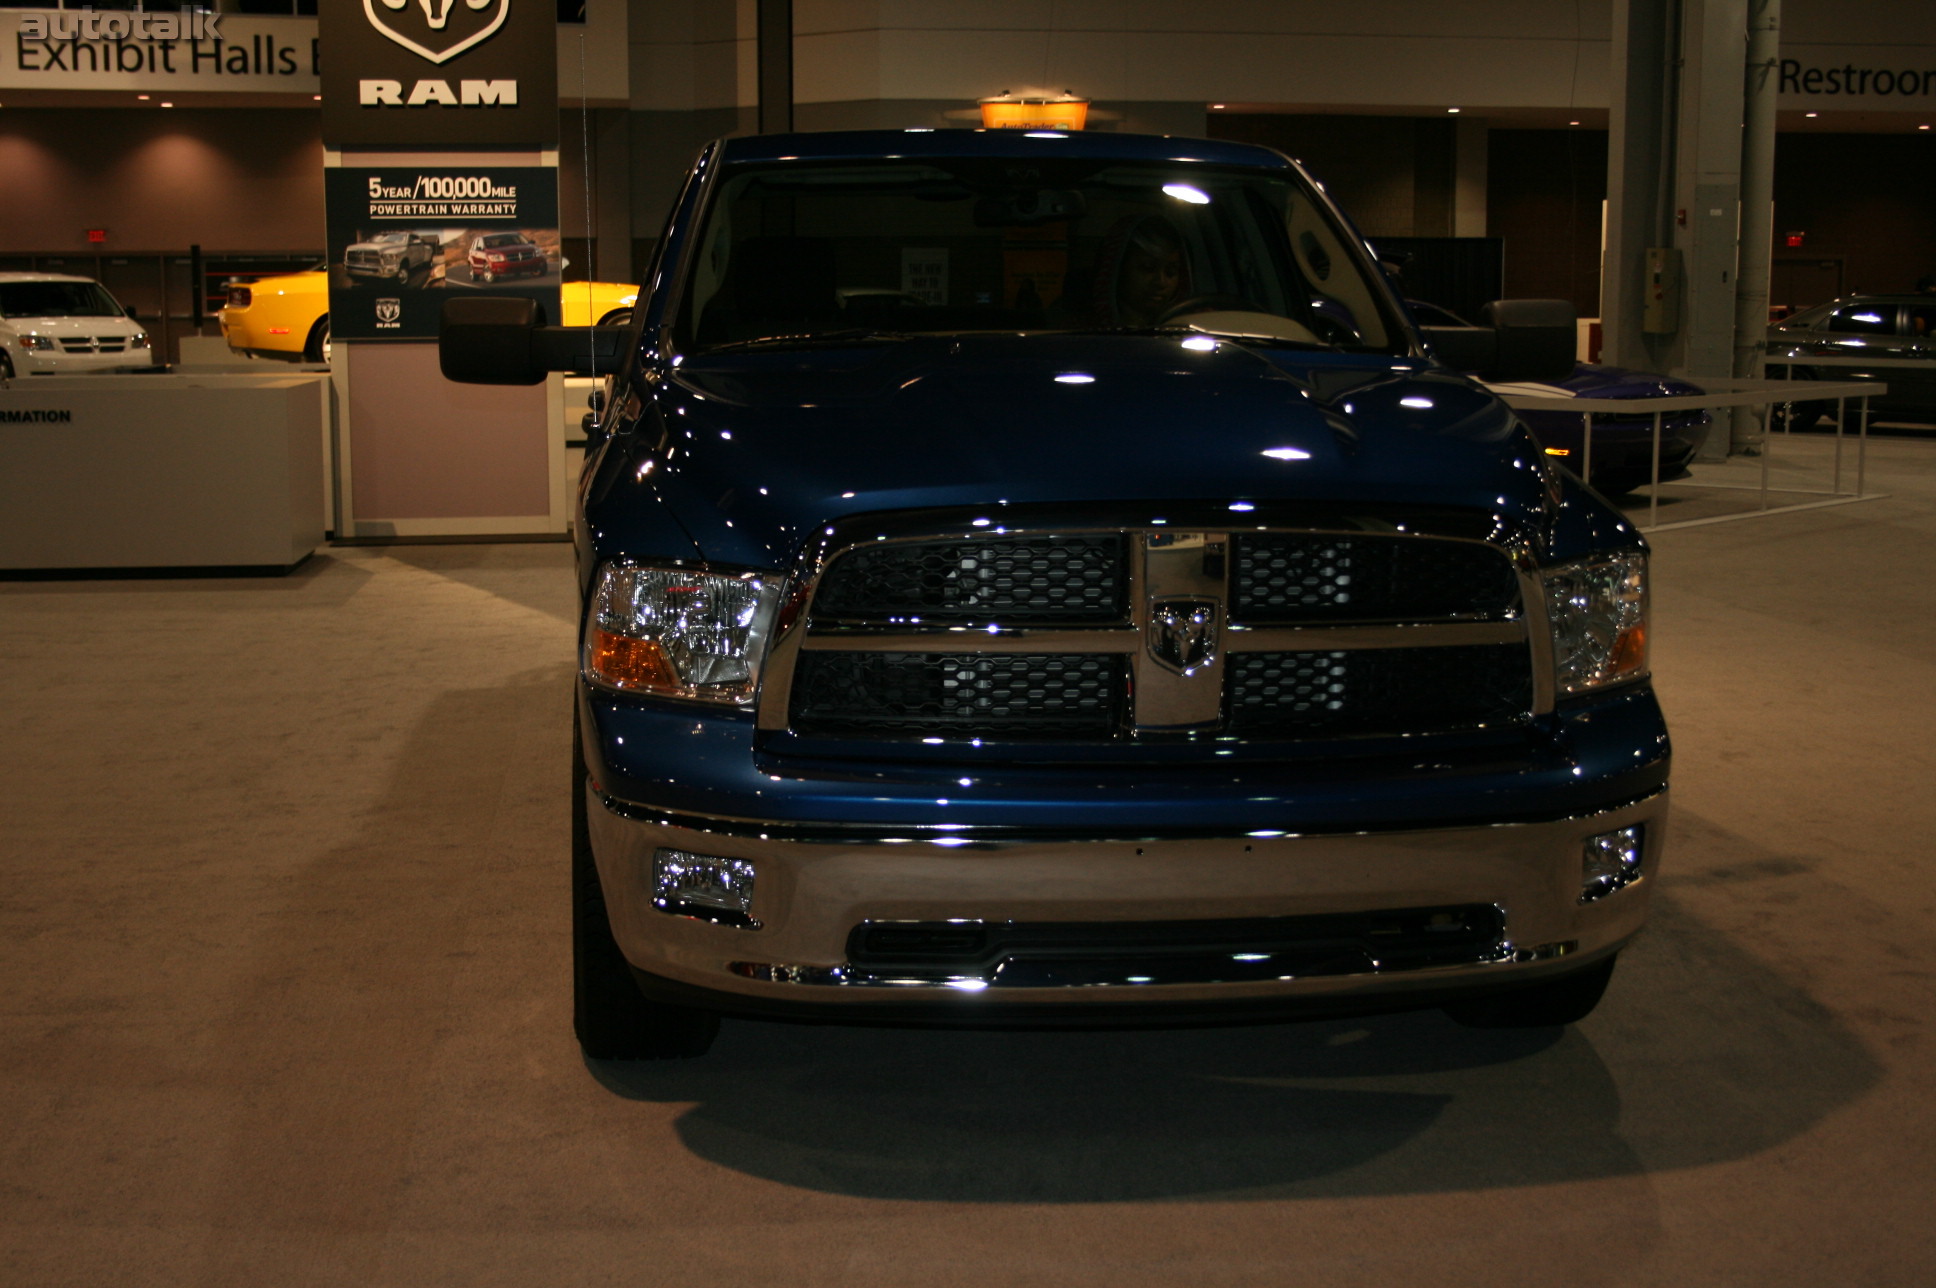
[(1640, 167)]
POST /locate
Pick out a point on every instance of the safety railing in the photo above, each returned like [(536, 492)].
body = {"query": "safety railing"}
[(1723, 394)]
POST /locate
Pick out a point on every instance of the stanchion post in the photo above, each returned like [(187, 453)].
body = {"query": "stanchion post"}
[(1862, 447), (1835, 487), (1653, 490)]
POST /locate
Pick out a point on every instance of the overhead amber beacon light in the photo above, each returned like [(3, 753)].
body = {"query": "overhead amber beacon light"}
[(1007, 112)]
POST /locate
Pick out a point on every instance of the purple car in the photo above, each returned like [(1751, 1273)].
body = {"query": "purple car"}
[(1622, 441)]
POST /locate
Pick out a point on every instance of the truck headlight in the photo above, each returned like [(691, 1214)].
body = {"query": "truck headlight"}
[(680, 633), (39, 341), (1598, 612)]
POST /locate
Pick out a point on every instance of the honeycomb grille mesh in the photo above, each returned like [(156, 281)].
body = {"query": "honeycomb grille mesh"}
[(1008, 695), (1288, 578), (1376, 691), (1074, 579)]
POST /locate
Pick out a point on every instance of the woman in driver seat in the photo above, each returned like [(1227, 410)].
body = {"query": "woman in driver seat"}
[(1141, 272)]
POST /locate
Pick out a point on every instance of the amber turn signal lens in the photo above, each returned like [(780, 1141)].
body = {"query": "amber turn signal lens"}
[(1629, 652), (628, 663)]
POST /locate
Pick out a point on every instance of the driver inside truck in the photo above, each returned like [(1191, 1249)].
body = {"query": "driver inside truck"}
[(1141, 272)]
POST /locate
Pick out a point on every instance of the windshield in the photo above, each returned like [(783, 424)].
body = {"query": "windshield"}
[(57, 300), (493, 240), (841, 250)]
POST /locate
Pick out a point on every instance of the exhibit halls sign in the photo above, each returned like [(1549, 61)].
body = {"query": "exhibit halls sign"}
[(67, 49), (424, 74)]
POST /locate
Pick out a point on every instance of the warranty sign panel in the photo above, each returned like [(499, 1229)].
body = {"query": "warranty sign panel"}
[(439, 73), (402, 239)]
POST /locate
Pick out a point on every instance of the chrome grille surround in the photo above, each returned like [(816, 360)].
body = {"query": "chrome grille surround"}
[(1195, 567)]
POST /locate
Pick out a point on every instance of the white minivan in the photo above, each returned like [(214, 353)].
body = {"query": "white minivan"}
[(53, 324)]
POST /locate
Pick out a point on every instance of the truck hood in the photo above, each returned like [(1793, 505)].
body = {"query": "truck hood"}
[(756, 450)]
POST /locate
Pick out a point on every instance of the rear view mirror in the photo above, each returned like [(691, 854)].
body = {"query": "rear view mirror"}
[(1518, 340), (1030, 207), (501, 340)]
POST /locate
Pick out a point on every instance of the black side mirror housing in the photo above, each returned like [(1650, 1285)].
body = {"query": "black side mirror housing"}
[(1518, 340), (502, 340)]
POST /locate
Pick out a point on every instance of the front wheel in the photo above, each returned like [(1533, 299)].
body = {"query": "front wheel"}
[(1545, 1005), (316, 347), (613, 1020)]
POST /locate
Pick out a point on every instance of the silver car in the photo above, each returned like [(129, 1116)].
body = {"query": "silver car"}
[(1897, 327)]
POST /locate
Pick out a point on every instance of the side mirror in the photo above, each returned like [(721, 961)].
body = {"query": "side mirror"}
[(502, 340), (1519, 340)]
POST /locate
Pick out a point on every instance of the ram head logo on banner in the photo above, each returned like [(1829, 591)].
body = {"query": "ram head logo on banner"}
[(436, 37)]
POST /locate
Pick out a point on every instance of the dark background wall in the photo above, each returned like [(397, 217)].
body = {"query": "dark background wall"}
[(160, 180), (1544, 189), (1393, 174), (250, 182), (1867, 204)]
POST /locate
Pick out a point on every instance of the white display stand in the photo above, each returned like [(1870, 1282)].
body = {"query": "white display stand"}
[(148, 471)]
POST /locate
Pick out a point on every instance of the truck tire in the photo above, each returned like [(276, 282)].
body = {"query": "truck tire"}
[(613, 1020), (1545, 1005)]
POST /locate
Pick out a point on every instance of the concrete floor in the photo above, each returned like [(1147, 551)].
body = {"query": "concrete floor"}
[(284, 988)]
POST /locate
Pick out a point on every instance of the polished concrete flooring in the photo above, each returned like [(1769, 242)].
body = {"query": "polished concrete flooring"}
[(284, 988)]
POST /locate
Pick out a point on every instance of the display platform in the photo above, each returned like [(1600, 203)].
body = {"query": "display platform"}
[(211, 472)]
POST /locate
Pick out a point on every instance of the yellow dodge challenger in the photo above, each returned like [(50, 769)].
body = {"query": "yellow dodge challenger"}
[(287, 317)]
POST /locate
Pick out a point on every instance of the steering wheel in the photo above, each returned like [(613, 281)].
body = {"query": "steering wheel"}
[(1213, 303)]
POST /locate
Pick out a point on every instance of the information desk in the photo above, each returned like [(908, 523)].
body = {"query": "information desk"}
[(152, 471)]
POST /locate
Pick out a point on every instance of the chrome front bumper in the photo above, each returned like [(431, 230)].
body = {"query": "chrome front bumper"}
[(811, 894)]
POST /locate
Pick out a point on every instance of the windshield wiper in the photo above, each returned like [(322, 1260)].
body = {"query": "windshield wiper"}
[(806, 339)]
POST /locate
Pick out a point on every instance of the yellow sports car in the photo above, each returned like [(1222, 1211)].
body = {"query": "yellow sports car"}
[(287, 317)]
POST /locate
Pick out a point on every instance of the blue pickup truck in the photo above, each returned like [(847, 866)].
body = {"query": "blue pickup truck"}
[(1046, 579)]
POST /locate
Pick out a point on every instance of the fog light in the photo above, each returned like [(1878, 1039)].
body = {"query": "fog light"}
[(1610, 860), (704, 886)]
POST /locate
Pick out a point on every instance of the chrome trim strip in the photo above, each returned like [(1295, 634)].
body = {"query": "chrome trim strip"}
[(966, 639), (1539, 633), (1319, 639), (969, 836), (1146, 975)]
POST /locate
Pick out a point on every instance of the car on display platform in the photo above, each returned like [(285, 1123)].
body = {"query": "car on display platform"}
[(54, 324), (1088, 630), (287, 317), (500, 255), (1901, 328), (1623, 442), (393, 258)]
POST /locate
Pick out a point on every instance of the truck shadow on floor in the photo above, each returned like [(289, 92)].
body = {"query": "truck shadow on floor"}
[(1697, 1056)]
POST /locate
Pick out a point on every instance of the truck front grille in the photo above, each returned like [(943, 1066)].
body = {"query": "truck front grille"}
[(989, 579), (1376, 691), (1296, 577), (1143, 634), (1011, 695)]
